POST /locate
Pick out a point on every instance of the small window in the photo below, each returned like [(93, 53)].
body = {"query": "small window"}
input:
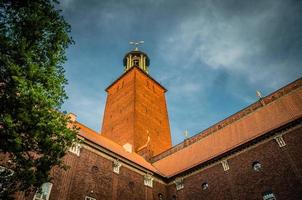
[(174, 197), (256, 166), (160, 196), (268, 195), (75, 148), (43, 192), (116, 166), (225, 165), (148, 180), (89, 198), (280, 141), (204, 186)]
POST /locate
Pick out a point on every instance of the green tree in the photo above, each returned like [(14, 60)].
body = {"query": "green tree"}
[(33, 133)]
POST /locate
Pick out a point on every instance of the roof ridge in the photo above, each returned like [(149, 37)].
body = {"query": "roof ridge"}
[(232, 118)]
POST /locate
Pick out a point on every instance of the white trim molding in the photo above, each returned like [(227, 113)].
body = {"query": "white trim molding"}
[(148, 180), (279, 139), (116, 165), (225, 165), (179, 183)]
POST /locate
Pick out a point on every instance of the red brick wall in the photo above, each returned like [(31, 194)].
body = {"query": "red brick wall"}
[(118, 121), (151, 114), (91, 172), (281, 173), (136, 104)]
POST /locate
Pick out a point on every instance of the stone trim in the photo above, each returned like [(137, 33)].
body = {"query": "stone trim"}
[(252, 146), (90, 146), (225, 165), (148, 180), (179, 183), (75, 149), (279, 139), (116, 165)]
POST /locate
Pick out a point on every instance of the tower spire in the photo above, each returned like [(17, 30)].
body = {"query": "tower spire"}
[(136, 58)]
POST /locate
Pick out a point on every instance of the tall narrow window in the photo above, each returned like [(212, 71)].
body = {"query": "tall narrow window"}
[(43, 192)]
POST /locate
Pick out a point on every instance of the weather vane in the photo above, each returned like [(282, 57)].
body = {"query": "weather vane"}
[(136, 44)]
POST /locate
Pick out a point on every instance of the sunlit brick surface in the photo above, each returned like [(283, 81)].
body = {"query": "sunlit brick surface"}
[(135, 106)]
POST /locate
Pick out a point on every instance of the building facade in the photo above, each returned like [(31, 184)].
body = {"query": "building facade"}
[(254, 154)]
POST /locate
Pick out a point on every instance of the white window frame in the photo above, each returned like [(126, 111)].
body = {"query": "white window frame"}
[(279, 139), (225, 165), (116, 166), (89, 198), (75, 148), (148, 180), (44, 195)]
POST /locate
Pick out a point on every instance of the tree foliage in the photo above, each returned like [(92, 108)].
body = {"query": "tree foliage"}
[(33, 133)]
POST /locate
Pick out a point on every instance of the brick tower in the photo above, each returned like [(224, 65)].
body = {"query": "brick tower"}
[(136, 113)]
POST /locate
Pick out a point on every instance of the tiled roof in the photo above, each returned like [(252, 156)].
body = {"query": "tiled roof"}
[(271, 116), (231, 119), (273, 111), (91, 135)]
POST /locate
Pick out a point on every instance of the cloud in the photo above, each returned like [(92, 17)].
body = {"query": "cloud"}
[(248, 44), (211, 55)]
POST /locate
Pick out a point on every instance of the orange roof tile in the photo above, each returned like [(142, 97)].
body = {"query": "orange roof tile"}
[(98, 139), (273, 115)]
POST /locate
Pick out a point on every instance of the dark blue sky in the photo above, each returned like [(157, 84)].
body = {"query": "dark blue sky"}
[(212, 56)]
